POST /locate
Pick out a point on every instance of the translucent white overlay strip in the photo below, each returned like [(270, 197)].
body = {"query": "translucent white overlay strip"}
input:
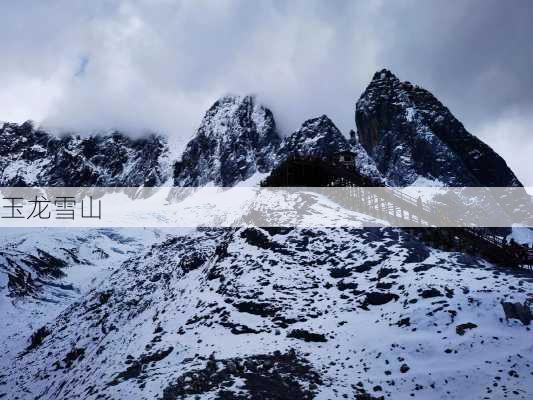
[(265, 207)]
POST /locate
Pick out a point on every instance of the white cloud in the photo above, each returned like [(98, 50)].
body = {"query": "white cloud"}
[(158, 65), (510, 137)]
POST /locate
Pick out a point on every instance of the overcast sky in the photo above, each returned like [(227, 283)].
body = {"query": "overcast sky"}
[(158, 65)]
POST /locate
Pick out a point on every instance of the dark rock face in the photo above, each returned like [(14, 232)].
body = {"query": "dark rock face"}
[(410, 134), (137, 366), (264, 376), (33, 157), (430, 293), (37, 338), (462, 328), (404, 368), (318, 138), (256, 308), (307, 336), (72, 356), (29, 273), (378, 299), (236, 138), (521, 312)]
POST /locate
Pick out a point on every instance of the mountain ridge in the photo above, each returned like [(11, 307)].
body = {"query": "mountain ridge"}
[(404, 136), (244, 313), (34, 157)]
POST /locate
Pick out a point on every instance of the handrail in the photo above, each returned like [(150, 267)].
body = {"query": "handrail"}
[(339, 175)]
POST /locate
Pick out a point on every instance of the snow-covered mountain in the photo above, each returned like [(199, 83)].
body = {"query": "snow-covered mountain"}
[(412, 135), (286, 314), (33, 157), (42, 271), (404, 136), (317, 137), (236, 139), (252, 313)]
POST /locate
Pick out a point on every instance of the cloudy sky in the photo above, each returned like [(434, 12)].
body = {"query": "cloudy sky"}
[(159, 64)]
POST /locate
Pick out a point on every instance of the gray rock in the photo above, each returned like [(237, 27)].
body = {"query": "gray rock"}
[(521, 312), (411, 134)]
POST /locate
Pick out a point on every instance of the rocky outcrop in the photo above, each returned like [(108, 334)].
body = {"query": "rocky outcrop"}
[(411, 135), (264, 376), (519, 311), (317, 138), (236, 139), (34, 157)]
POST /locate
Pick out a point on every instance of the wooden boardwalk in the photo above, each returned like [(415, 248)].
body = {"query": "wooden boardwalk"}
[(404, 210), (392, 205)]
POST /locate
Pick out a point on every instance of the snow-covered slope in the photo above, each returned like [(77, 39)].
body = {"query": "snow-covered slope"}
[(410, 134), (236, 139), (274, 313), (42, 271), (366, 166), (35, 261), (287, 314)]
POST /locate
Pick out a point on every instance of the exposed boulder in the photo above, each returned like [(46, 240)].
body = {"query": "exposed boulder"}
[(519, 311)]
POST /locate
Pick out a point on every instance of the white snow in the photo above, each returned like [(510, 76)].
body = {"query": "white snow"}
[(294, 277)]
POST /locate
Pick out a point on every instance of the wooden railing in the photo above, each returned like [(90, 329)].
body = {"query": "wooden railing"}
[(391, 204)]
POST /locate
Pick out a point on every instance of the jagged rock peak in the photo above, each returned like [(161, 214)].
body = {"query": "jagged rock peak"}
[(237, 138), (411, 135), (30, 156), (231, 114), (383, 84), (384, 75), (317, 137), (319, 125)]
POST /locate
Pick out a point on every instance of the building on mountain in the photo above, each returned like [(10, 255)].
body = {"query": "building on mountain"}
[(344, 158)]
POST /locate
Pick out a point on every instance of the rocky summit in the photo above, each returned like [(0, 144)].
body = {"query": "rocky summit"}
[(317, 137), (261, 313), (236, 139), (411, 135)]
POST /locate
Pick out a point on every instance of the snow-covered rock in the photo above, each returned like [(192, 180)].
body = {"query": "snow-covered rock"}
[(236, 139), (286, 313), (260, 313), (33, 157), (317, 137), (410, 134)]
